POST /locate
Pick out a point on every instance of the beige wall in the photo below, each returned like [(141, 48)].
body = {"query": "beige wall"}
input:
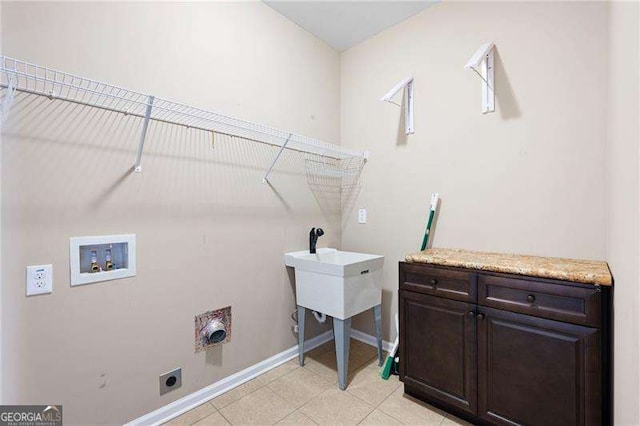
[(528, 178), (533, 177), (209, 233), (1, 322), (623, 212)]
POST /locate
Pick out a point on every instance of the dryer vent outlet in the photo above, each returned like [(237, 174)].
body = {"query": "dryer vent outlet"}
[(212, 328)]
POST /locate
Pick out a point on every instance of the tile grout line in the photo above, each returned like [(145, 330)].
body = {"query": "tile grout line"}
[(390, 395), (280, 377), (215, 410), (314, 396), (266, 385), (317, 374), (226, 419), (310, 417), (360, 367), (309, 401), (332, 385), (367, 415), (254, 391), (286, 402), (237, 400), (385, 398), (297, 410), (195, 399), (444, 417), (375, 407)]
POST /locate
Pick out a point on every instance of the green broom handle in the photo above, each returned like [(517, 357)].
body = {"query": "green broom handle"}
[(425, 239), (432, 212)]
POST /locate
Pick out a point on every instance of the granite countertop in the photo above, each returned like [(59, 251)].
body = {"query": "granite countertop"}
[(580, 271)]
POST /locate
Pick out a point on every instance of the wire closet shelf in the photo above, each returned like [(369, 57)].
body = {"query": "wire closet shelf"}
[(21, 76)]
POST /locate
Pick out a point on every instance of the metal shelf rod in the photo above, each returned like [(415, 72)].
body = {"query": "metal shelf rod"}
[(275, 160), (145, 126), (161, 120), (75, 101)]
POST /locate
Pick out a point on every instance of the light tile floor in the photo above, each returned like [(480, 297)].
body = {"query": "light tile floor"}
[(294, 395)]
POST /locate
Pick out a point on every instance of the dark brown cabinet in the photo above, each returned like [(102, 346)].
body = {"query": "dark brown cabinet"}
[(451, 333), (536, 372), (500, 357)]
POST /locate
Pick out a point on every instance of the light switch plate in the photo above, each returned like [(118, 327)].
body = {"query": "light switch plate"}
[(362, 216), (39, 279)]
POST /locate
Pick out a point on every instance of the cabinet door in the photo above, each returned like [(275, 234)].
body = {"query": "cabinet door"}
[(535, 371), (438, 349)]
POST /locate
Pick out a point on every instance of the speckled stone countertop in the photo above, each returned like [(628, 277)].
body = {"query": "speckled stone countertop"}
[(580, 271)]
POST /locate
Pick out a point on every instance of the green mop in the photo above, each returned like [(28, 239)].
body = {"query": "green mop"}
[(385, 372), (432, 212), (386, 368)]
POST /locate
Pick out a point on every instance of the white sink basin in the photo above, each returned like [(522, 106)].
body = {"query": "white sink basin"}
[(337, 283)]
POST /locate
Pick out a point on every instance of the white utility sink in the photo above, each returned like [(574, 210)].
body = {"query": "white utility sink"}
[(337, 283)]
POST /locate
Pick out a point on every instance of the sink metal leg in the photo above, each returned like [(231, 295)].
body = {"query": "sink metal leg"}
[(302, 314), (377, 320), (342, 332)]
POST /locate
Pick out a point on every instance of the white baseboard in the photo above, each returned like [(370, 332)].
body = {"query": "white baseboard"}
[(370, 340), (186, 403)]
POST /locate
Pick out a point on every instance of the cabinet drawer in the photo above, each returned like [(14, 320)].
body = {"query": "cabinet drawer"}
[(436, 281), (578, 305)]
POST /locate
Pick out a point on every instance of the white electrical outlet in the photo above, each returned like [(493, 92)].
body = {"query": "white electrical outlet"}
[(362, 216), (39, 279)]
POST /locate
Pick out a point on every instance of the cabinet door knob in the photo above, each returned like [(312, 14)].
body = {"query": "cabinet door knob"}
[(531, 298), (480, 316), (471, 313), (434, 282)]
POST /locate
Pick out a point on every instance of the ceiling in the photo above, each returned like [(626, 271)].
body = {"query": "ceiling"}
[(343, 24)]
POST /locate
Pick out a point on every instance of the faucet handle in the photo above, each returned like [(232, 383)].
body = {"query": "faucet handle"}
[(319, 232)]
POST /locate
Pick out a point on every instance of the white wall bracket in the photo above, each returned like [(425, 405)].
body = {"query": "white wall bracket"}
[(7, 101), (482, 64), (407, 86), (145, 125), (275, 160)]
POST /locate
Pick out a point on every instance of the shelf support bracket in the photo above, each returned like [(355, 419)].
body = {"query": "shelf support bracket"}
[(407, 86), (145, 126), (8, 98), (482, 64), (275, 160)]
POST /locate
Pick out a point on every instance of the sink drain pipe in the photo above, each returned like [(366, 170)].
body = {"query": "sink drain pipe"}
[(320, 317)]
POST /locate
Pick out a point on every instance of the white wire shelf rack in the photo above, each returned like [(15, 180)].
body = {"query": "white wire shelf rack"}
[(21, 76), (334, 179)]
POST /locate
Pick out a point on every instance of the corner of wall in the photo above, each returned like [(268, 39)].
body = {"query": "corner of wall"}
[(1, 310), (623, 202)]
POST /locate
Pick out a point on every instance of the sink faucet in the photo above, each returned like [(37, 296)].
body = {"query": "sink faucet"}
[(313, 238)]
